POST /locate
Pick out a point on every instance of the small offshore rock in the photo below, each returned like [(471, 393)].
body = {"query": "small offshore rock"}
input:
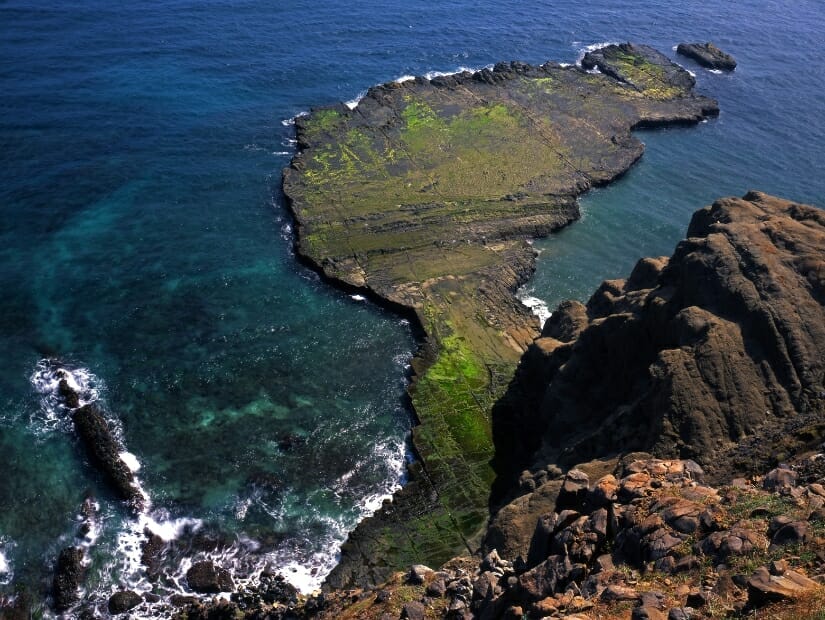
[(121, 602), (207, 578), (707, 55), (68, 575)]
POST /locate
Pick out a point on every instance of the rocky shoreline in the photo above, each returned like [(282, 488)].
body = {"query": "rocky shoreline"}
[(630, 534), (425, 196)]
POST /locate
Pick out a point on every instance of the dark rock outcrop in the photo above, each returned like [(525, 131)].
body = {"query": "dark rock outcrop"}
[(207, 578), (121, 602), (618, 61), (714, 355), (104, 451), (95, 433), (764, 587), (707, 55), (68, 577)]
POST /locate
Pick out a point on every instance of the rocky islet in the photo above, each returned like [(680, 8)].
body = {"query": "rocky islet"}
[(707, 55)]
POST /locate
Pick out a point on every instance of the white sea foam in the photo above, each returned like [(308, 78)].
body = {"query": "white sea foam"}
[(434, 74), (6, 573), (353, 103), (358, 297), (716, 71), (591, 48), (308, 576), (537, 306), (281, 153), (131, 461), (291, 121), (131, 538), (45, 379)]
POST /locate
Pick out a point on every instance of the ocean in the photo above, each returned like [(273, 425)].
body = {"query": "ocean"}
[(144, 242)]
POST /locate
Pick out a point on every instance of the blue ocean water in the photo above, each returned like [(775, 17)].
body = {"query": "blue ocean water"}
[(144, 241)]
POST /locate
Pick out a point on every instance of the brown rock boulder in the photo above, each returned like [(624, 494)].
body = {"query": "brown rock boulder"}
[(765, 588), (512, 529)]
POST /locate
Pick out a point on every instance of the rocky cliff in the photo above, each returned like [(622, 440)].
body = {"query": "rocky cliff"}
[(714, 354)]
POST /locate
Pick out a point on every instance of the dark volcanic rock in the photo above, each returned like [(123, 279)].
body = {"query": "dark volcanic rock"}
[(68, 576), (207, 578), (719, 361), (104, 451), (121, 602), (707, 55), (151, 554)]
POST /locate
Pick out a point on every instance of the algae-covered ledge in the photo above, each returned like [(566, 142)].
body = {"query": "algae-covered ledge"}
[(426, 195)]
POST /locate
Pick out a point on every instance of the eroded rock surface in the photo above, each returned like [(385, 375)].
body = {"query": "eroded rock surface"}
[(425, 196), (714, 354)]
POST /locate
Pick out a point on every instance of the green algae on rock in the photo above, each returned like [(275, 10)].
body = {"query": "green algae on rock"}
[(426, 195)]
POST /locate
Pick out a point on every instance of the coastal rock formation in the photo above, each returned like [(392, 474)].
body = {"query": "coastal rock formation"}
[(96, 434), (207, 578), (68, 577), (657, 74), (123, 601), (104, 451), (724, 335), (707, 55), (714, 354), (424, 196)]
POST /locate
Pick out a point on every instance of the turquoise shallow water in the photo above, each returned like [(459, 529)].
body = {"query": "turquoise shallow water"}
[(143, 238)]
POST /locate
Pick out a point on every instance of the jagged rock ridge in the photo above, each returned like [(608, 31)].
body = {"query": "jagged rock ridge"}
[(714, 354)]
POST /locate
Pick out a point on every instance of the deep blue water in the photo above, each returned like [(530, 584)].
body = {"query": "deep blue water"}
[(143, 238)]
